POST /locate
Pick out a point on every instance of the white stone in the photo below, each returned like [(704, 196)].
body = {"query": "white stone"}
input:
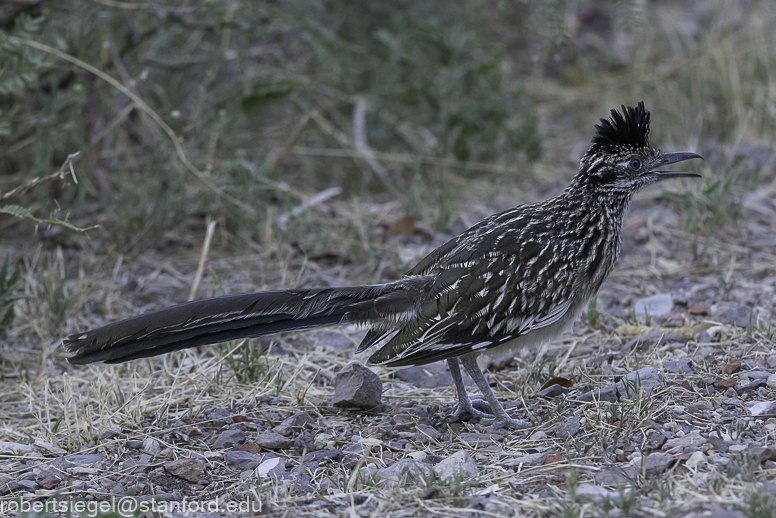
[(269, 466), (771, 381), (696, 460), (367, 474), (654, 306), (763, 408), (460, 464)]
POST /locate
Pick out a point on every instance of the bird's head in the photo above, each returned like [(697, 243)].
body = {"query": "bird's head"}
[(621, 159)]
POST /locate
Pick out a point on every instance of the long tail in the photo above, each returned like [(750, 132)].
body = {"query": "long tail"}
[(220, 319)]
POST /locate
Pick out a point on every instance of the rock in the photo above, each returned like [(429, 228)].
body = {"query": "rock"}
[(432, 375), (720, 445), (426, 434), (771, 382), (532, 459), (479, 440), (655, 440), (538, 435), (733, 313), (569, 428), (696, 460), (605, 394), (295, 423), (229, 439), (655, 463), (322, 440), (273, 441), (367, 473), (678, 366), (8, 485), (756, 384), (693, 438), (591, 493), (192, 470), (698, 309), (323, 456), (152, 446), (242, 460), (646, 379), (733, 402), (759, 454), (654, 306), (49, 482), (594, 493), (459, 465), (28, 485), (270, 468), (357, 386), (47, 448), (14, 448), (763, 408), (554, 390), (85, 460), (134, 444), (614, 476), (406, 471), (758, 375), (642, 343)]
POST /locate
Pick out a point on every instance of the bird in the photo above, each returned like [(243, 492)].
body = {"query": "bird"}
[(515, 279)]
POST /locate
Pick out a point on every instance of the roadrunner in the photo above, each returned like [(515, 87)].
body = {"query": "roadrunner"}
[(516, 278)]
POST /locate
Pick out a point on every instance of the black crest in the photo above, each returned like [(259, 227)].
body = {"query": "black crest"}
[(627, 129)]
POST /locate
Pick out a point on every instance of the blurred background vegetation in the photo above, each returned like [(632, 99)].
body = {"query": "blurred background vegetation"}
[(239, 111)]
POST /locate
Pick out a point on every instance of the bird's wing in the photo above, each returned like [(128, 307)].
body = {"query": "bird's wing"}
[(482, 296)]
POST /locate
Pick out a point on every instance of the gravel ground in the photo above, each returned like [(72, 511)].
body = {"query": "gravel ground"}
[(662, 402)]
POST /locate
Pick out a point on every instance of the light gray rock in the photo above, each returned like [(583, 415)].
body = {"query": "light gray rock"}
[(735, 314), (152, 446), (85, 460), (458, 465), (229, 439), (693, 438), (763, 408), (569, 428), (605, 394), (647, 379), (357, 386), (654, 306), (28, 485), (273, 441), (271, 468), (296, 422), (242, 460), (406, 471), (655, 463), (192, 470), (532, 459), (678, 366), (426, 434), (14, 448)]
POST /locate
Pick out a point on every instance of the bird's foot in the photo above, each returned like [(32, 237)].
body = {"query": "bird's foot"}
[(480, 403), (509, 423), (474, 408)]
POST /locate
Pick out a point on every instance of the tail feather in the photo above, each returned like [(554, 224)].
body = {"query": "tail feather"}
[(241, 316)]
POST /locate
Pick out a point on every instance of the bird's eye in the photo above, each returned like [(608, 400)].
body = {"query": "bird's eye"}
[(635, 164)]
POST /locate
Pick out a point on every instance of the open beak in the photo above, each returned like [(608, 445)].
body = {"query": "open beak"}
[(673, 158)]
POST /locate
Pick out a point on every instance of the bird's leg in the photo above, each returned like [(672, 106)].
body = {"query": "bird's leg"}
[(502, 419), (466, 408)]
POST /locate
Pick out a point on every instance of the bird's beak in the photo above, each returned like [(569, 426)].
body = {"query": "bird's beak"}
[(673, 158)]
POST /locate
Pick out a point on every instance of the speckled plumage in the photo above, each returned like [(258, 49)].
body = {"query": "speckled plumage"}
[(517, 277)]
